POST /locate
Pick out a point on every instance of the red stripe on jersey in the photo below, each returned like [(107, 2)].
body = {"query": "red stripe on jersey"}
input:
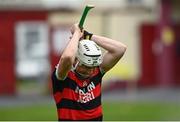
[(71, 95), (97, 90), (58, 97), (70, 114)]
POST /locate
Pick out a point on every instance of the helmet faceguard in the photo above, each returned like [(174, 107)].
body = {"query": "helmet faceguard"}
[(89, 53)]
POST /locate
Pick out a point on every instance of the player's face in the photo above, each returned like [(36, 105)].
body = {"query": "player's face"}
[(85, 70)]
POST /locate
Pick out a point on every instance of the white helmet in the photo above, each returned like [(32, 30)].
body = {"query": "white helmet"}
[(89, 53)]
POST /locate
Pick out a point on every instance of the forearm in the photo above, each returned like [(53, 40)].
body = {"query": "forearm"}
[(108, 44), (68, 56), (70, 51)]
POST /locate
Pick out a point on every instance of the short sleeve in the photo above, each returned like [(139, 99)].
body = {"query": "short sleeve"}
[(56, 83)]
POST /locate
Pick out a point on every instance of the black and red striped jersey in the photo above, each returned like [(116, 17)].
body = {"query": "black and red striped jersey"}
[(78, 99)]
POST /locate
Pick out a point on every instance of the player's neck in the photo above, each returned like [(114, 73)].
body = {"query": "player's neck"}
[(81, 77)]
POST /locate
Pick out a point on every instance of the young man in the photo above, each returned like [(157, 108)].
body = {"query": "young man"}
[(77, 77)]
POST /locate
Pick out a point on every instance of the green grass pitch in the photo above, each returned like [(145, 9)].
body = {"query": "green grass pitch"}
[(120, 111)]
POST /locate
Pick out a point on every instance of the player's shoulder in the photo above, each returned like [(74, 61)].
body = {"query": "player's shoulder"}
[(98, 71)]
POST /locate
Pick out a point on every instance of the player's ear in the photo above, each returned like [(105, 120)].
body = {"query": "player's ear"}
[(75, 61)]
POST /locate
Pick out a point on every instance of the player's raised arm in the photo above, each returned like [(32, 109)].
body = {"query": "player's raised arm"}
[(68, 56), (114, 51)]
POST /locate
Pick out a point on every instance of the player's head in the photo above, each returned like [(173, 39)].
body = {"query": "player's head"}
[(89, 53), (89, 57)]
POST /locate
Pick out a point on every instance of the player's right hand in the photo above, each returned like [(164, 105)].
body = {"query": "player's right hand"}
[(75, 28)]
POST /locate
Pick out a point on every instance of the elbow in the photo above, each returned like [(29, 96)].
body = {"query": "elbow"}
[(122, 49), (67, 60), (121, 46)]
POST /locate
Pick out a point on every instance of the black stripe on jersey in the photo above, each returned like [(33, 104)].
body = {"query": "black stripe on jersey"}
[(96, 79), (56, 84), (69, 83), (59, 85), (70, 104)]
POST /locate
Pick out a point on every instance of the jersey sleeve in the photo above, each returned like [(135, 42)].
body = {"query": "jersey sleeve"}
[(57, 84)]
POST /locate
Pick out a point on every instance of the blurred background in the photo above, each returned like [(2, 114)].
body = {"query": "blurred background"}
[(145, 83)]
